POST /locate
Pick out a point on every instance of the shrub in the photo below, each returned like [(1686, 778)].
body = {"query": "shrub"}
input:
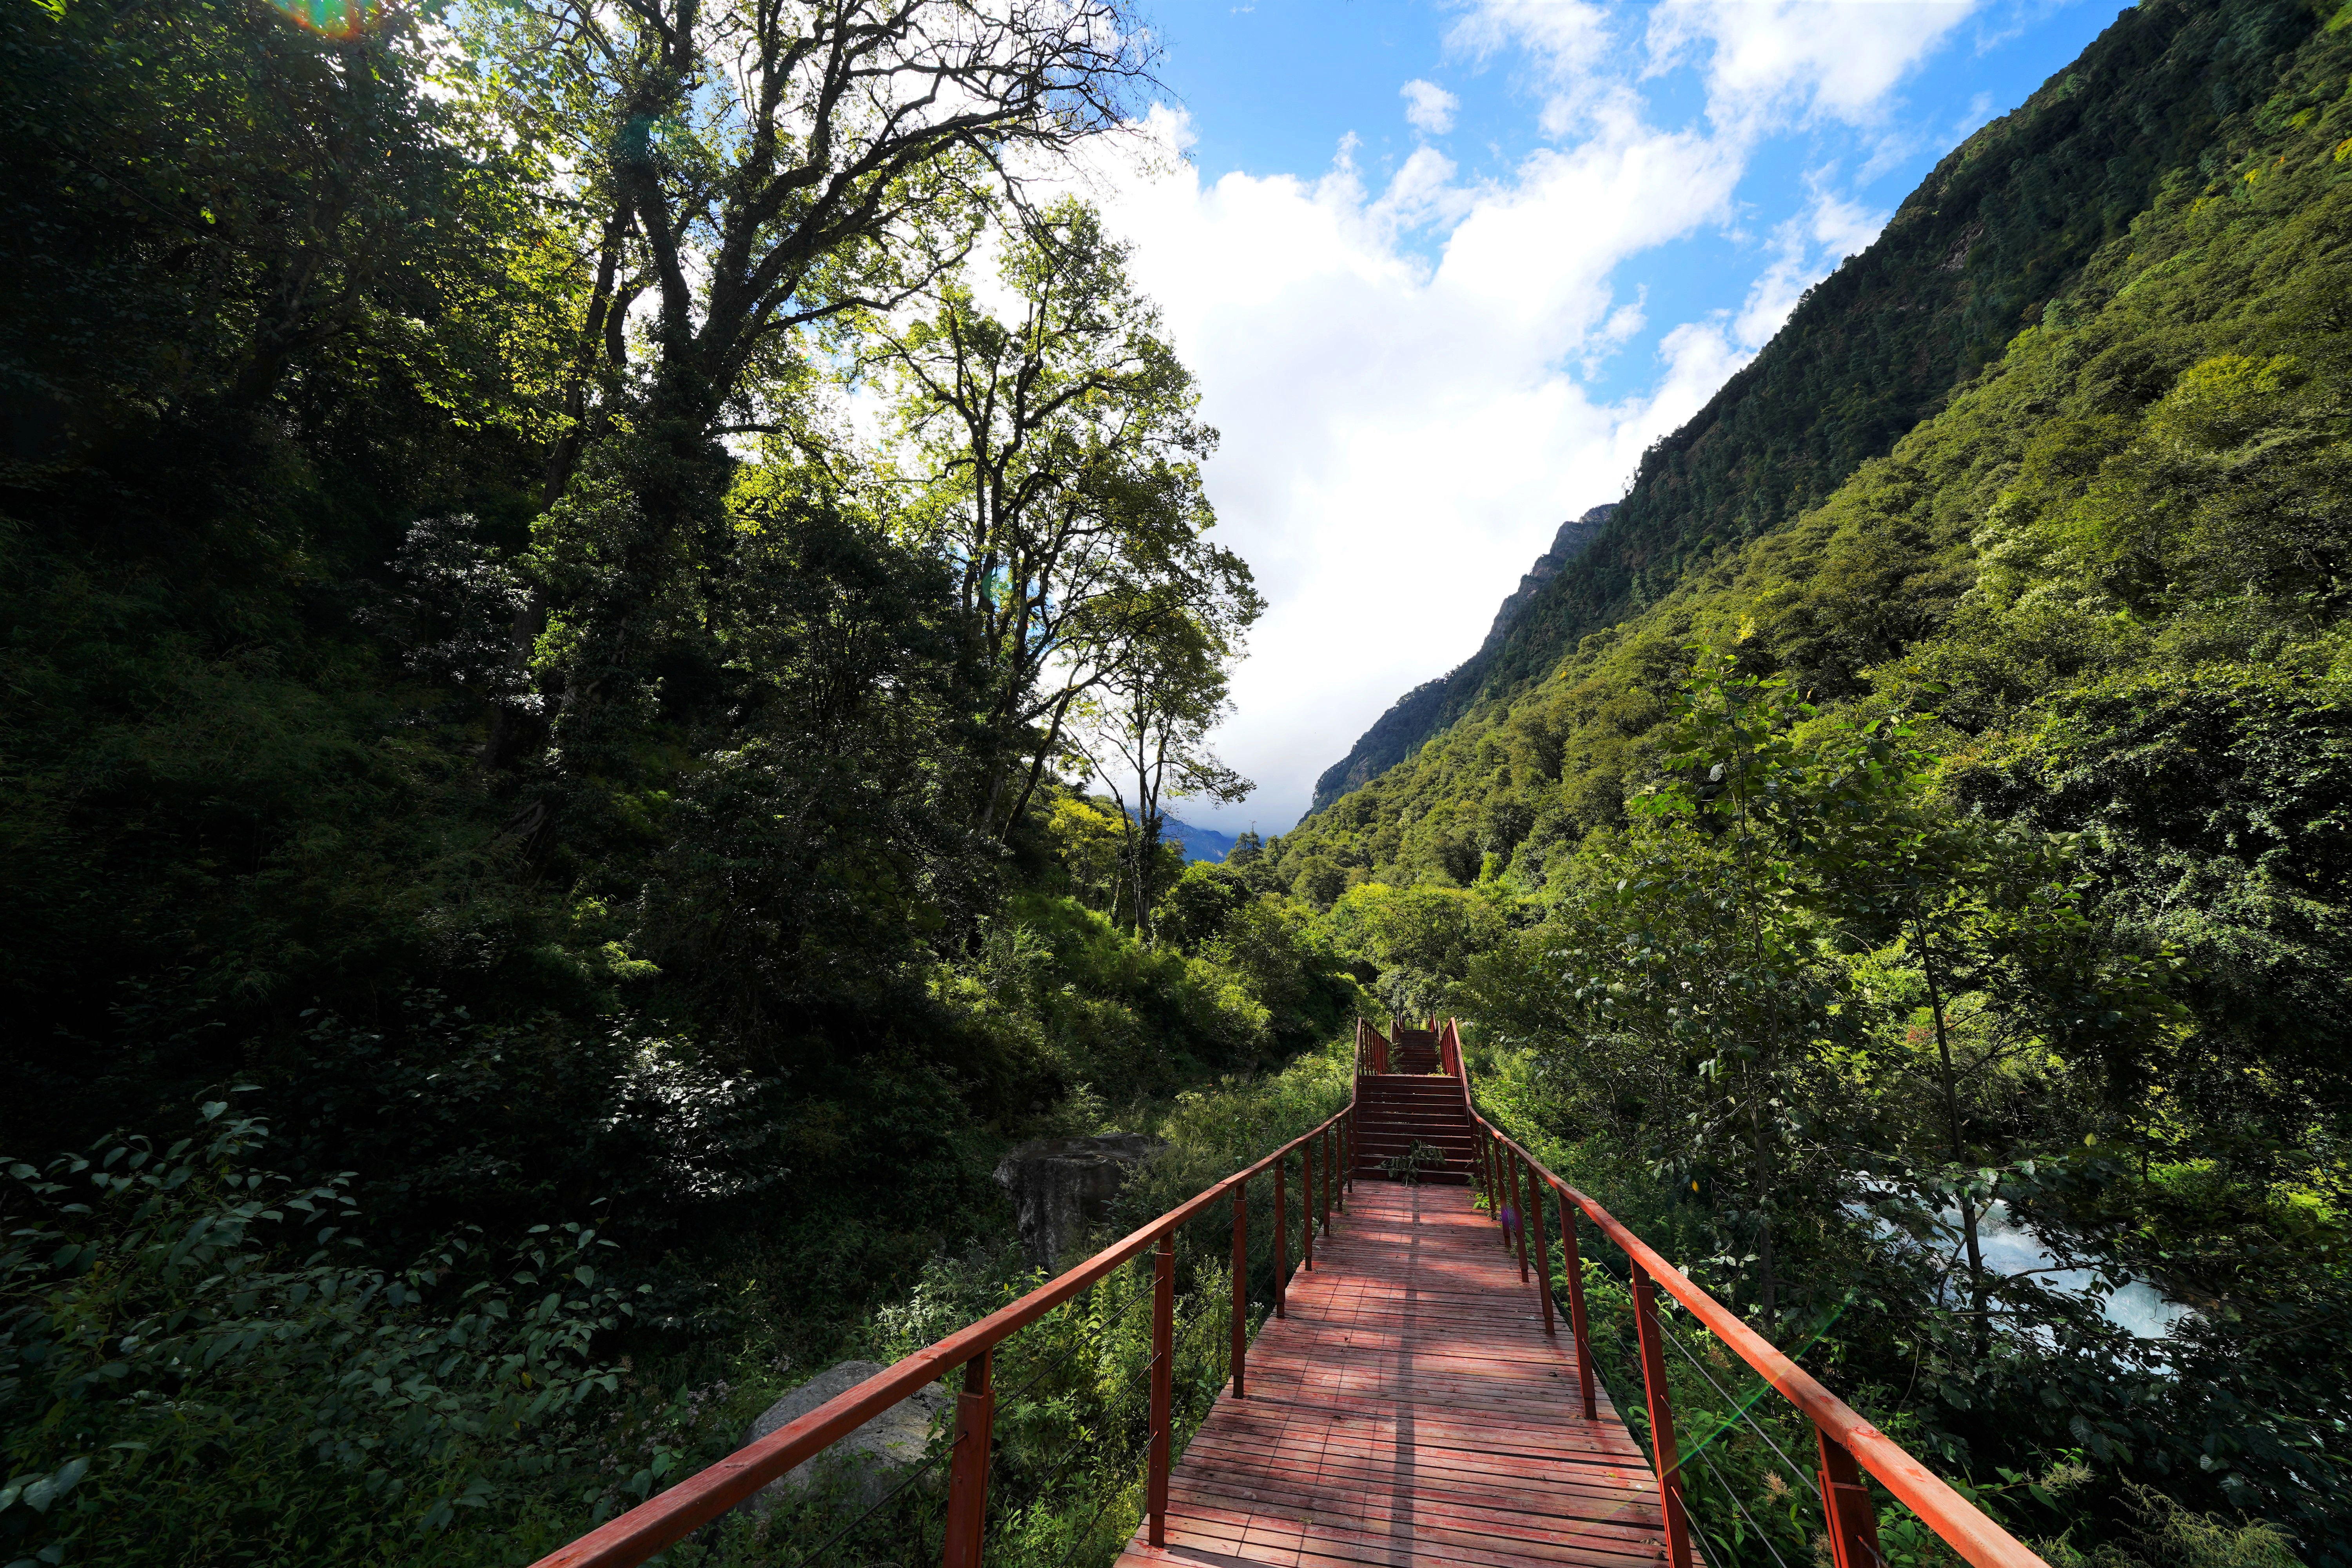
[(196, 1365)]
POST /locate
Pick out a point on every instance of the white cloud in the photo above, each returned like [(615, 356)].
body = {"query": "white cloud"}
[(1429, 107), (1813, 59), (1402, 434), (1402, 364), (1806, 246), (1566, 46)]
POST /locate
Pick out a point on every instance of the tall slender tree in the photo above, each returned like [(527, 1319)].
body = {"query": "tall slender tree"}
[(1143, 729), (1062, 450)]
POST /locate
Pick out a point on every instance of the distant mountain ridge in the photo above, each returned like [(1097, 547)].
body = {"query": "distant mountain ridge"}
[(1200, 843), (2001, 226), (1423, 712)]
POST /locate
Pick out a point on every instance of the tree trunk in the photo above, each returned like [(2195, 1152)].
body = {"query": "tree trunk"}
[(1037, 767), (1978, 1298), (1767, 1283)]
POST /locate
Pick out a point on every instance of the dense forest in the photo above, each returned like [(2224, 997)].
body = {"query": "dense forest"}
[(508, 799), (1875, 848), (604, 609)]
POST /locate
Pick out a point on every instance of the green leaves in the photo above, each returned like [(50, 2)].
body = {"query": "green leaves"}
[(176, 1363)]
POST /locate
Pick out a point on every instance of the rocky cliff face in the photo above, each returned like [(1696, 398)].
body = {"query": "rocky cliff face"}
[(1569, 543), (1422, 712)]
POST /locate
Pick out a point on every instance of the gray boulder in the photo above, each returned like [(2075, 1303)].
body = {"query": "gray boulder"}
[(870, 1461), (1059, 1187)]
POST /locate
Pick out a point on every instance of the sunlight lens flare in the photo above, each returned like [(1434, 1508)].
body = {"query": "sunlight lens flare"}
[(333, 18)]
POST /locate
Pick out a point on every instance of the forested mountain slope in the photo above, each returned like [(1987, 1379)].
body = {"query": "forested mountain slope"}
[(2236, 251), (1411, 719), (2003, 225), (2100, 593)]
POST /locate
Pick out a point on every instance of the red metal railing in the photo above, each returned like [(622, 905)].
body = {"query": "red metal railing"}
[(1847, 1445), (708, 1494), (1371, 1048)]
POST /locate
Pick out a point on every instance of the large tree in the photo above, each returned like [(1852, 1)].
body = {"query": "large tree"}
[(751, 168)]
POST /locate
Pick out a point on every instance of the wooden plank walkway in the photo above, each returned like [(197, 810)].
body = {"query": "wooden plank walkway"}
[(1410, 1410)]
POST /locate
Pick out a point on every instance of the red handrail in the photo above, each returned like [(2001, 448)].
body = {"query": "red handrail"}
[(1845, 1439), (709, 1494)]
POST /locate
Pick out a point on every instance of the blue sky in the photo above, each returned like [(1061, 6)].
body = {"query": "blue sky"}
[(1444, 270)]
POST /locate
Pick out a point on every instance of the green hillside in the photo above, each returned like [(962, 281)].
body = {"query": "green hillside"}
[(2005, 223), (2099, 595), (1989, 550)]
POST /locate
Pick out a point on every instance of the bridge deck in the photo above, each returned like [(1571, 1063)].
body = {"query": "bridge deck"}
[(1410, 1409)]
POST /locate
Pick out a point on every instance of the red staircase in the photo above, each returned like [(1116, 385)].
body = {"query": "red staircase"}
[(1416, 1050), (1396, 1110)]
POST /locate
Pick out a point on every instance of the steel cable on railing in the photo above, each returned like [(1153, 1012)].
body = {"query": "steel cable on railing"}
[(1739, 1409), (1054, 1475), (879, 1503), (1085, 1532), (1762, 1535), (1811, 1483), (1038, 1493), (1205, 1321)]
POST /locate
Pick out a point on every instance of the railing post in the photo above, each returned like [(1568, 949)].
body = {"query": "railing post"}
[(1241, 1280), (1323, 1208), (1662, 1419), (1846, 1505), (1306, 1204), (1338, 1146), (1576, 1328), (1497, 1205), (1281, 1237), (1543, 1248), (1163, 1383), (1352, 1151), (1521, 1202), (968, 1472)]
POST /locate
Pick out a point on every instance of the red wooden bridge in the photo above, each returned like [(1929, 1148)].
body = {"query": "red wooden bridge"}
[(1416, 1396), (1410, 1407)]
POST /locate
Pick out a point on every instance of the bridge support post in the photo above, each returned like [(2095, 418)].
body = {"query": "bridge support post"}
[(1543, 1247), (1306, 1204), (1576, 1328), (1163, 1383), (1241, 1281), (1323, 1210), (1498, 1196), (1846, 1505), (1281, 1237), (1662, 1419), (1512, 1163), (968, 1472)]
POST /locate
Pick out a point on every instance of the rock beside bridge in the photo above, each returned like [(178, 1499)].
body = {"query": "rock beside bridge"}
[(870, 1461), (1060, 1186)]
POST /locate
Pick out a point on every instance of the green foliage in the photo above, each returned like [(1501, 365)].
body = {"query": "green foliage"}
[(198, 1366), (2103, 577), (1409, 1167), (1422, 940), (2172, 97)]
